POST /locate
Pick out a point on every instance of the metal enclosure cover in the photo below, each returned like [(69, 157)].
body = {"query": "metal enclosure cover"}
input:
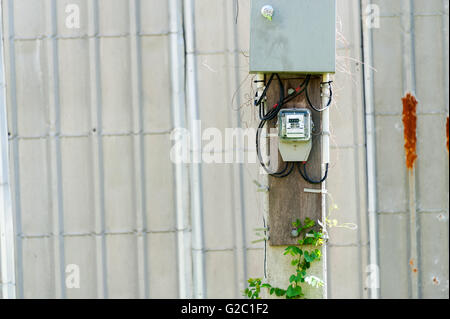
[(301, 38)]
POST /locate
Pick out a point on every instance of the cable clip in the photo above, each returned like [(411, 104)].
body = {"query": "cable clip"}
[(261, 188), (264, 237), (315, 191)]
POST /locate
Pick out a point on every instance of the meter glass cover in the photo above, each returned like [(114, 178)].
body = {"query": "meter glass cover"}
[(295, 124)]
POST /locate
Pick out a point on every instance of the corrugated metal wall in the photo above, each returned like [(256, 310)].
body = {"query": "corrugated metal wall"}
[(90, 146), (410, 52), (89, 121), (348, 248), (89, 117)]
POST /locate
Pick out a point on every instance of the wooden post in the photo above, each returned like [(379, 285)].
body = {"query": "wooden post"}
[(287, 199)]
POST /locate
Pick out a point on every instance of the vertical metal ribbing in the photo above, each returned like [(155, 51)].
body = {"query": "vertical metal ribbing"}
[(408, 47), (97, 150), (445, 35), (15, 151), (409, 85), (371, 168), (198, 250), (138, 144), (234, 191), (54, 156), (358, 132), (7, 258), (238, 179), (178, 103)]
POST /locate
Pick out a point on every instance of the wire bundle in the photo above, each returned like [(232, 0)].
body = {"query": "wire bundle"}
[(273, 112)]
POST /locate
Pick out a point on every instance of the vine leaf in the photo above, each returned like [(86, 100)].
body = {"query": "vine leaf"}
[(294, 291), (293, 278), (302, 262)]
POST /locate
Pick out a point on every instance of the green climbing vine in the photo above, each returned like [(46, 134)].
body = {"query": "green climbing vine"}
[(302, 260)]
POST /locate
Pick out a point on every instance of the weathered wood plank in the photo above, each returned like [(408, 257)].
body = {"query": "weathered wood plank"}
[(287, 199)]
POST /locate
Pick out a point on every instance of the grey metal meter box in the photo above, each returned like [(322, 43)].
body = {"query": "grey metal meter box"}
[(293, 36)]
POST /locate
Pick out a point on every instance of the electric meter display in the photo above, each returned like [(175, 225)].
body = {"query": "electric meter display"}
[(295, 124)]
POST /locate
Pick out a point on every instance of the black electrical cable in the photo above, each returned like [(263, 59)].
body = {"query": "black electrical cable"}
[(299, 91), (330, 98), (283, 100), (287, 169), (264, 93), (306, 176), (271, 114), (264, 117)]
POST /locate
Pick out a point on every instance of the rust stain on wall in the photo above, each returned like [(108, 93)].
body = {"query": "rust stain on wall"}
[(410, 129), (413, 269), (436, 281)]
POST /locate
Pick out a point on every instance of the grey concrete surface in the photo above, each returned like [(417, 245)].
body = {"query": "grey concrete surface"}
[(75, 150)]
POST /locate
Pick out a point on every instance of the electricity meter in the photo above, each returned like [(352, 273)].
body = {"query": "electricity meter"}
[(294, 130), (295, 124)]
